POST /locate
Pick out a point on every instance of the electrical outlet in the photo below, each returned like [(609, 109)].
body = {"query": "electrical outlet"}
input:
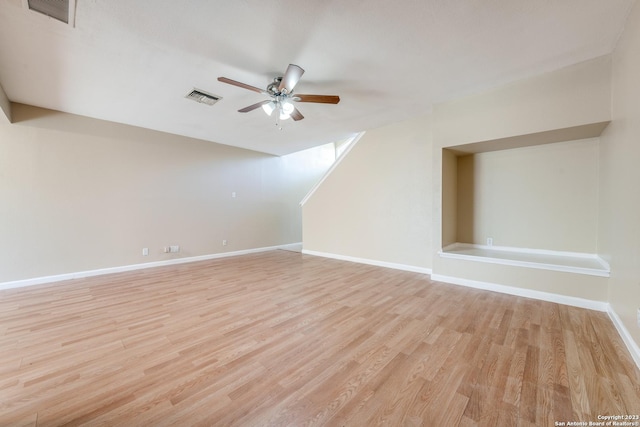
[(233, 194), (145, 251), (224, 243), (174, 249), (489, 241)]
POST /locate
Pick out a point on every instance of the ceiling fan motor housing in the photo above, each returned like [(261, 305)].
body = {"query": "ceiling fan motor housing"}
[(273, 87)]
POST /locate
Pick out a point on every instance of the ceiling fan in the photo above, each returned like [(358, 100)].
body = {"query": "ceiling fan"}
[(281, 96)]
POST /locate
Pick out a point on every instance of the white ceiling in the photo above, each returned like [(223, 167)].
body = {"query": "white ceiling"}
[(134, 61)]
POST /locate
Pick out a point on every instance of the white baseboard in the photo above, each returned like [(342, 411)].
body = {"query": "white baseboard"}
[(385, 264), (120, 269), (625, 335), (293, 247), (527, 293)]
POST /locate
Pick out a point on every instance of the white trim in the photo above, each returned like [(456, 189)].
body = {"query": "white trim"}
[(459, 245), (625, 335), (377, 263), (335, 164), (120, 269), (527, 293), (604, 271), (293, 247)]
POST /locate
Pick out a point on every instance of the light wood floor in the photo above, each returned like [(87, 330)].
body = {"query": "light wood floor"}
[(280, 338)]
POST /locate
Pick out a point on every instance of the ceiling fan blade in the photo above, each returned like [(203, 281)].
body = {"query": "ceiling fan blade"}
[(296, 115), (253, 106), (291, 78), (324, 99), (239, 84)]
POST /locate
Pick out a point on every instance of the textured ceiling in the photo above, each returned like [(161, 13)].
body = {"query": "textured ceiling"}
[(133, 62)]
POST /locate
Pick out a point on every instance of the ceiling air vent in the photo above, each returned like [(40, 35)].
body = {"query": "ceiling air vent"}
[(62, 10), (202, 97)]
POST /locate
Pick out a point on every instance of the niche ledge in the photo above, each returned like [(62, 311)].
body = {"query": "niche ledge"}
[(568, 262)]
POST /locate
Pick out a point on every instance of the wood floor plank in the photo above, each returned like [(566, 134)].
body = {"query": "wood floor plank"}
[(281, 338)]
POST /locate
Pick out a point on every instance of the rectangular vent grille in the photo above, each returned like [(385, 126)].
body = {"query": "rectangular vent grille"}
[(57, 9), (203, 97)]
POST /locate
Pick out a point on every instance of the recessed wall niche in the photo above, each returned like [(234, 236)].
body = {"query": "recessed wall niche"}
[(532, 198)]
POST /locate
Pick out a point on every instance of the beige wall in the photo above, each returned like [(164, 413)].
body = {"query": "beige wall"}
[(540, 197), (619, 219), (449, 207), (367, 208), (574, 96), (592, 288), (80, 194), (376, 204)]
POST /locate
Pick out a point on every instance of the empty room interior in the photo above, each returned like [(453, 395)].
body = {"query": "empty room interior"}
[(296, 213)]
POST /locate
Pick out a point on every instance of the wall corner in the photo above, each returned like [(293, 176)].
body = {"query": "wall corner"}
[(5, 107)]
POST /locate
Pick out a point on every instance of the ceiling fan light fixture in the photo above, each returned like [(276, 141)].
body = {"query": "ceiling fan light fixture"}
[(269, 107), (287, 107), (284, 116)]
